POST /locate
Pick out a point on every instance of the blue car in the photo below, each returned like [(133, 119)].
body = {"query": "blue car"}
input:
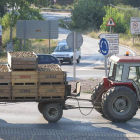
[(47, 59)]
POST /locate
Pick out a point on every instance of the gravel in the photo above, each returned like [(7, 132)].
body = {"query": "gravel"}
[(87, 85), (49, 67), (27, 54)]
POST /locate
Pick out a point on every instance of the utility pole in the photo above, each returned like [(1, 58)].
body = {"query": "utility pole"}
[(11, 29)]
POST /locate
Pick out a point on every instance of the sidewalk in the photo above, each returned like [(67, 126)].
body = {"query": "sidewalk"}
[(35, 134)]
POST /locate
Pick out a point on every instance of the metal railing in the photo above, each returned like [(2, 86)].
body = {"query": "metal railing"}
[(49, 9)]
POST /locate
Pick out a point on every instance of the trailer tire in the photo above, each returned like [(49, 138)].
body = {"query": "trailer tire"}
[(52, 112), (40, 106), (95, 94), (120, 104)]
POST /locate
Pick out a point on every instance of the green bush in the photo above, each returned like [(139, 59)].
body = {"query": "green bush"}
[(5, 21), (87, 14), (118, 18)]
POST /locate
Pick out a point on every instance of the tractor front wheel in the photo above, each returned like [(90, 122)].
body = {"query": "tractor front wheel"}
[(119, 104)]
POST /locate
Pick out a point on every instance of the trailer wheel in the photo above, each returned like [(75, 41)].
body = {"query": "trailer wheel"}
[(52, 112), (120, 104), (40, 106), (96, 97)]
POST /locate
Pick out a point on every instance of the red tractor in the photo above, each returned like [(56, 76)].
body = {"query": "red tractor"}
[(118, 96)]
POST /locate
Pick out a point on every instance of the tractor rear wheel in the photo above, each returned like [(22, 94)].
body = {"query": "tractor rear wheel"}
[(120, 104), (97, 97)]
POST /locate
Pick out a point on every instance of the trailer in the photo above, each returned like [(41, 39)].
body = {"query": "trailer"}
[(23, 80)]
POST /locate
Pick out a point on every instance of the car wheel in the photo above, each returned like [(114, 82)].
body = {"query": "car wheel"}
[(78, 60), (71, 60)]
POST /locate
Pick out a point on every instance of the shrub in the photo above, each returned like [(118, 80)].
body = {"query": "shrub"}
[(5, 21)]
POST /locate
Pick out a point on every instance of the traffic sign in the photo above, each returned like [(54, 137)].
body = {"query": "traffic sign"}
[(135, 25), (104, 47), (37, 29), (54, 1), (111, 22), (113, 41), (70, 40)]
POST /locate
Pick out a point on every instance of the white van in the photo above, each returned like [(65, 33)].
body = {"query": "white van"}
[(65, 54)]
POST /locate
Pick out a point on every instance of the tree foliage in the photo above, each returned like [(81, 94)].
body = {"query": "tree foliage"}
[(118, 18), (22, 10), (134, 3), (87, 14)]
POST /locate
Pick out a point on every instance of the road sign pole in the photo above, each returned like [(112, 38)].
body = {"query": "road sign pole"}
[(49, 37), (110, 29), (106, 66), (24, 35), (133, 39), (74, 59)]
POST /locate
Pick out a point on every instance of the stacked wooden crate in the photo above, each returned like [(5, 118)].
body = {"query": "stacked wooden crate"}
[(22, 60), (51, 80), (32, 81), (5, 82), (24, 75)]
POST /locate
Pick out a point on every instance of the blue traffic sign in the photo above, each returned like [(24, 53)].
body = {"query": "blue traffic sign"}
[(104, 47)]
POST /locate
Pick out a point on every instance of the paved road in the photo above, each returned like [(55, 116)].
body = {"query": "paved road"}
[(56, 16), (23, 121)]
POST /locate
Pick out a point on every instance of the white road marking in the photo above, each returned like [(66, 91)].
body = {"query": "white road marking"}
[(128, 49)]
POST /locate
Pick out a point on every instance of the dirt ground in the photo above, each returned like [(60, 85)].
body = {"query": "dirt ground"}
[(87, 85)]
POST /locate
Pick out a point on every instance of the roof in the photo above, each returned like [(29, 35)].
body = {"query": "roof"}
[(125, 59), (44, 54)]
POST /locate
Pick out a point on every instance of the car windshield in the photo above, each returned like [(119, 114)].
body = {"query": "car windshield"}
[(63, 48)]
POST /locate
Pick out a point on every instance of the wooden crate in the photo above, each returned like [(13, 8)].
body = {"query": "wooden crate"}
[(5, 75), (51, 77), (24, 77), (51, 91), (24, 91), (24, 63), (5, 91)]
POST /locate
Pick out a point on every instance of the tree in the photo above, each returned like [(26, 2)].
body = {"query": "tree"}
[(87, 13), (2, 11), (22, 10), (118, 18), (134, 3)]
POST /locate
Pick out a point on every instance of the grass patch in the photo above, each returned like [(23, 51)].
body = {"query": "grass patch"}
[(86, 92), (91, 79)]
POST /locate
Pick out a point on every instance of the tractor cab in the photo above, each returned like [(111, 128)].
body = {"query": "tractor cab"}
[(124, 69)]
